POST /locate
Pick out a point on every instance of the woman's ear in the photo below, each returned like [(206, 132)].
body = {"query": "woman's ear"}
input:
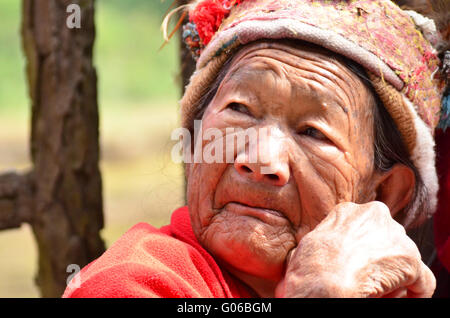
[(395, 187)]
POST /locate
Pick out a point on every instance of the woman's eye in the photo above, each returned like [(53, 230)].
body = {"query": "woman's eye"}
[(314, 133), (239, 108)]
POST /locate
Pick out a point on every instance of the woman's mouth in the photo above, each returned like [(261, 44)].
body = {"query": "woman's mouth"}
[(266, 215)]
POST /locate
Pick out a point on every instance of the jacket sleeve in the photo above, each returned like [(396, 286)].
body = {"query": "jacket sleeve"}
[(145, 262)]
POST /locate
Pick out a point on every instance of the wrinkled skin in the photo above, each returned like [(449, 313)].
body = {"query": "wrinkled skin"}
[(343, 257), (321, 155)]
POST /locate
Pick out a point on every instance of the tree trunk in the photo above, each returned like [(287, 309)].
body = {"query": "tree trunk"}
[(67, 204)]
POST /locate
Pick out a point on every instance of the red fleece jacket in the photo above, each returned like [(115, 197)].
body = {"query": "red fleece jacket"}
[(149, 262), (442, 215)]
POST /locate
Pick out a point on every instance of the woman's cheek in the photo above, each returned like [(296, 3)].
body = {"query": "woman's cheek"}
[(202, 181), (324, 179), (205, 174), (338, 169)]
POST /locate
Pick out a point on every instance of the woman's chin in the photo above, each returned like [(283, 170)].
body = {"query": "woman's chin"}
[(250, 253)]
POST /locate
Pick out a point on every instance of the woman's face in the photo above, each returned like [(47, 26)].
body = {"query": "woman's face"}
[(319, 153)]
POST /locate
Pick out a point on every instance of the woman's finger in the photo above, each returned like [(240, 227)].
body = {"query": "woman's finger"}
[(424, 285), (398, 293)]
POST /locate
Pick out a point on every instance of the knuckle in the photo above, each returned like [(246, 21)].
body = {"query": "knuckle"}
[(411, 249), (343, 209), (380, 208), (345, 205), (430, 277), (400, 230)]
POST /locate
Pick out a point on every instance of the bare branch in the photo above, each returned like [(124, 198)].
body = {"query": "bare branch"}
[(15, 200)]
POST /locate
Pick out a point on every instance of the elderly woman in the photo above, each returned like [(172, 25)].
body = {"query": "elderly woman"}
[(350, 93)]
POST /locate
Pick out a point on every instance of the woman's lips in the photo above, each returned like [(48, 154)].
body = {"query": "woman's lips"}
[(263, 214), (282, 202)]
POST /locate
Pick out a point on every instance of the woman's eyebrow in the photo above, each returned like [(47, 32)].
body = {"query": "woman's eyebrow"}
[(234, 74), (237, 77)]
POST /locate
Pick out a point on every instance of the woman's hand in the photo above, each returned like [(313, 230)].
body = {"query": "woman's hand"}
[(357, 251)]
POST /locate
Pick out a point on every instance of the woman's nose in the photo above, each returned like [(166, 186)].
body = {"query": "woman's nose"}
[(272, 163), (274, 174)]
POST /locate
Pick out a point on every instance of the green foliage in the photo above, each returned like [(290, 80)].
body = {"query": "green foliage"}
[(131, 69), (13, 92), (159, 7)]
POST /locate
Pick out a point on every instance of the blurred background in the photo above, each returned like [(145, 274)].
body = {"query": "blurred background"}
[(138, 93)]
